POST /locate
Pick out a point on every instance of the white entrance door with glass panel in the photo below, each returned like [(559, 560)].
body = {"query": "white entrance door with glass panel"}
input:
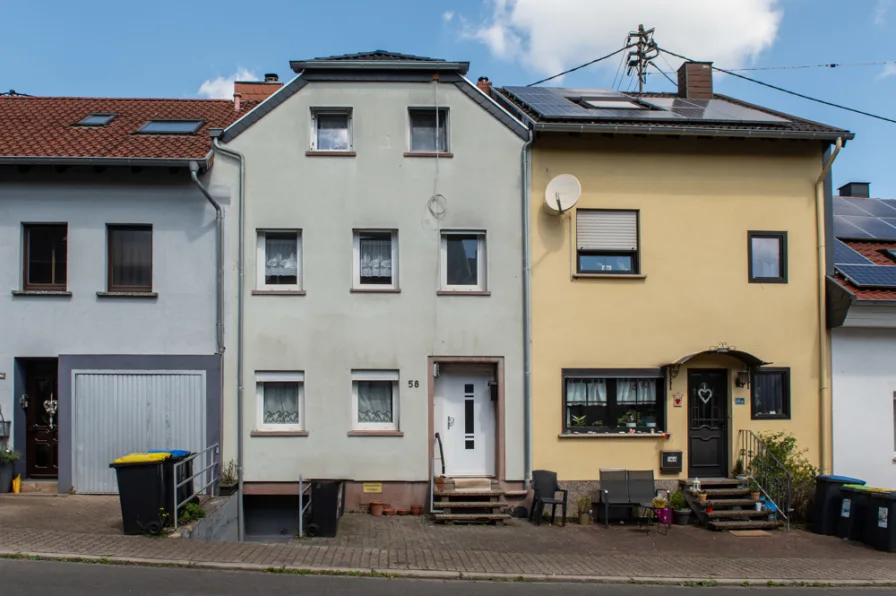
[(465, 420)]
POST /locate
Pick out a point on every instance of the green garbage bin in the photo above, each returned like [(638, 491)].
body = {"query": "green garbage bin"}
[(853, 510), (142, 490), (879, 531)]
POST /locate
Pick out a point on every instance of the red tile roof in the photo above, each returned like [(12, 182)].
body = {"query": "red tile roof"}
[(872, 252), (45, 127)]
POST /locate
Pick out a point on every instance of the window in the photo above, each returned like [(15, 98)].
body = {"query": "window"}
[(771, 393), (279, 264), (607, 241), (96, 120), (130, 258), (281, 400), (429, 130), (596, 402), (332, 130), (768, 257), (171, 127), (614, 104), (375, 399), (46, 257), (376, 260), (463, 261)]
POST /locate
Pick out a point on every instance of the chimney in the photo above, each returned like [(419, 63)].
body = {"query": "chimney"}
[(695, 80), (485, 85), (236, 101), (861, 190), (271, 77)]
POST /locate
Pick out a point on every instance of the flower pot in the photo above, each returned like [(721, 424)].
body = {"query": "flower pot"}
[(5, 477), (402, 511), (416, 510), (664, 515), (755, 495), (584, 519), (682, 517), (376, 508), (701, 497), (650, 422), (631, 425), (440, 484), (388, 511), (227, 490)]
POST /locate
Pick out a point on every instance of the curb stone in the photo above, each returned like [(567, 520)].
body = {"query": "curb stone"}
[(436, 575)]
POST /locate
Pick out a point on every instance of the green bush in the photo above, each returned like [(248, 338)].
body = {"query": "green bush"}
[(784, 447), (191, 513), (8, 456), (677, 500)]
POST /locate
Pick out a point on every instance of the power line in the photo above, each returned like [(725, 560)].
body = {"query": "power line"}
[(830, 65), (659, 70), (776, 88), (579, 67)]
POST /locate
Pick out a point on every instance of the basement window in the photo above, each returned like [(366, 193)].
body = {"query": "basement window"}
[(96, 120), (171, 127)]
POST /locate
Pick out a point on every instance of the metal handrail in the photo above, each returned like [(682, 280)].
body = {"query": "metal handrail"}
[(769, 473), (303, 505), (432, 479), (211, 450)]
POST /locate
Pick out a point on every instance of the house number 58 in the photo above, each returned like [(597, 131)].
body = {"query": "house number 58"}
[(413, 383)]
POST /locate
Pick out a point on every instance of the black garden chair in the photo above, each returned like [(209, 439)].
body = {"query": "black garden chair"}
[(546, 489)]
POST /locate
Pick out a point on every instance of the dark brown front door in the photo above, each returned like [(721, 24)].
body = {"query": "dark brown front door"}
[(41, 420), (707, 423)]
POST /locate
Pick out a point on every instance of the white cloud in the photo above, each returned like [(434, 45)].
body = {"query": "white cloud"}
[(448, 16), (880, 12), (888, 71), (222, 87), (548, 37)]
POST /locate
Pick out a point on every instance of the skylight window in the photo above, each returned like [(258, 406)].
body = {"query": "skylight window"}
[(890, 253), (602, 104), (171, 127), (96, 120)]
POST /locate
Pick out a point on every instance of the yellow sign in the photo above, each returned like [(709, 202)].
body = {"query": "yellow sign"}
[(372, 487)]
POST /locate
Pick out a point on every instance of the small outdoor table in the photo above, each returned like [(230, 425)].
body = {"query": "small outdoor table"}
[(661, 527)]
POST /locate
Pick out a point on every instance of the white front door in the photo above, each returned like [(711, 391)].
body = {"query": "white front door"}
[(465, 420)]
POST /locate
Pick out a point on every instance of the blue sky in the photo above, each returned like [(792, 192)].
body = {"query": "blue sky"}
[(169, 48)]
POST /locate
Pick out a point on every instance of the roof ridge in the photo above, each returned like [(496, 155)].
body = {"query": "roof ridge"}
[(96, 98)]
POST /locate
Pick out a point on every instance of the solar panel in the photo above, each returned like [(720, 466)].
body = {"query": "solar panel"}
[(844, 229), (869, 276), (875, 227), (713, 110), (844, 207), (872, 206), (845, 255)]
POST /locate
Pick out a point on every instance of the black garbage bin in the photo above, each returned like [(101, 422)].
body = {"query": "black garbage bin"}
[(826, 511), (184, 472), (879, 532), (327, 506), (141, 493), (853, 510)]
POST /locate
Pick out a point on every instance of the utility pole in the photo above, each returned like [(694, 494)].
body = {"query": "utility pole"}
[(644, 50)]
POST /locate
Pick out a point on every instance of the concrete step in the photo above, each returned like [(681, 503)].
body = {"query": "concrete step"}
[(713, 482), (744, 525), (50, 487), (469, 505), (722, 503), (471, 518), (726, 492), (735, 513), (464, 494)]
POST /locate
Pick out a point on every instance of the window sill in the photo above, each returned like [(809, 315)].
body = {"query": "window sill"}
[(609, 276), (46, 293), (463, 293), (278, 433), (610, 435), (767, 280), (278, 292), (375, 433), (771, 417), (330, 154), (127, 294), (439, 154), (376, 290)]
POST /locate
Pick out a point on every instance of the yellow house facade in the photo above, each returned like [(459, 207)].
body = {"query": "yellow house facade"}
[(676, 302)]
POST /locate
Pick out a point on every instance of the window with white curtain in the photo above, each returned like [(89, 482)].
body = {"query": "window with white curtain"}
[(596, 402), (279, 260), (463, 261), (376, 259), (332, 129), (375, 400), (281, 401)]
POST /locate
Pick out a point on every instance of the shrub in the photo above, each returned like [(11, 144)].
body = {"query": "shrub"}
[(677, 500), (8, 456), (784, 447)]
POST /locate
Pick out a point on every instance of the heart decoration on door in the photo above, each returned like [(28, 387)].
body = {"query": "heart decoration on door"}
[(704, 393)]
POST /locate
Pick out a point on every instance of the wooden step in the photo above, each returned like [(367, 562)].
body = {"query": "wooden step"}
[(735, 513), (462, 494), (713, 482), (471, 518), (726, 492), (721, 503), (745, 525), (469, 504)]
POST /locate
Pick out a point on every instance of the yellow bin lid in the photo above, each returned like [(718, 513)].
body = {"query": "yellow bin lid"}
[(138, 458)]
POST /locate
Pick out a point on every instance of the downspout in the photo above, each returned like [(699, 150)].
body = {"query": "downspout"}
[(823, 370), (527, 310), (219, 240), (239, 328)]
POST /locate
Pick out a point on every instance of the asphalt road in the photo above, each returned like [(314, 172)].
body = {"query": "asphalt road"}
[(46, 578)]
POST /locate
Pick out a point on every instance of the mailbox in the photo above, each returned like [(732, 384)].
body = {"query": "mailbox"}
[(670, 462)]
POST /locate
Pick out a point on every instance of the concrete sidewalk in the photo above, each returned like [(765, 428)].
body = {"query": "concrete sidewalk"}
[(415, 547)]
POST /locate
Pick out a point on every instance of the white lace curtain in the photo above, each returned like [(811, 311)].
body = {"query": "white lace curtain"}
[(376, 257), (280, 254), (374, 401), (636, 391), (281, 403), (586, 392)]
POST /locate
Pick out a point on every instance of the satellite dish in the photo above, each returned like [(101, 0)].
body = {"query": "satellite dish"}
[(562, 193)]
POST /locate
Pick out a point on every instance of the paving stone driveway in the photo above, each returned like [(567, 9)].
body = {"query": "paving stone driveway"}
[(58, 526)]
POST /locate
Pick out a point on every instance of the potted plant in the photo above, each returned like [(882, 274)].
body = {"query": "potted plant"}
[(579, 421), (228, 484), (440, 482), (583, 505), (630, 419), (755, 491), (738, 470), (701, 496), (8, 457), (650, 419), (680, 506)]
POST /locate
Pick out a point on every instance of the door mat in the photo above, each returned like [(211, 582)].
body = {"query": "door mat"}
[(749, 533)]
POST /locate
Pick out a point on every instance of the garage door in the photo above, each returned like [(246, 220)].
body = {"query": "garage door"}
[(119, 412)]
